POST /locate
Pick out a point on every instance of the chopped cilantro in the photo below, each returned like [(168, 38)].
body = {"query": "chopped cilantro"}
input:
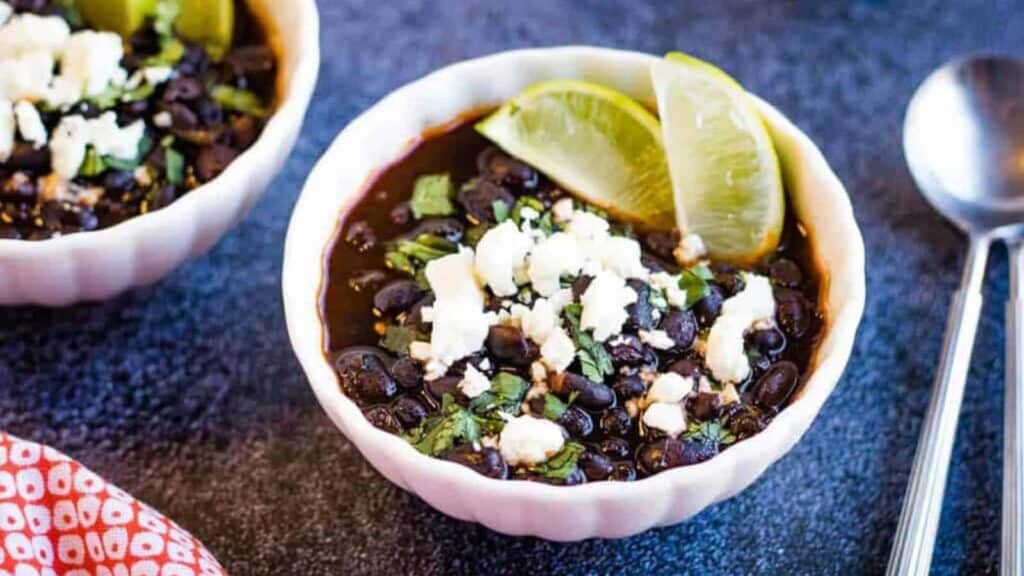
[(506, 393), (244, 101), (432, 196), (397, 338), (440, 433), (175, 166), (595, 362), (546, 224), (561, 465), (501, 211), (427, 247), (694, 281), (399, 262), (710, 432), (93, 165), (554, 407)]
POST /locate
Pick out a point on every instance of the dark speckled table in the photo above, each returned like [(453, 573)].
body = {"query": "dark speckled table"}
[(187, 393)]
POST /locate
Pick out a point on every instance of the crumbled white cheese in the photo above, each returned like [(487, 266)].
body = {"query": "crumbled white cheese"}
[(529, 440), (156, 75), (669, 285), (163, 119), (459, 324), (728, 395), (63, 92), (528, 214), (8, 125), (558, 350), (502, 251), (690, 251), (622, 256), (604, 305), (658, 339), (669, 388), (30, 33), (67, 146), (669, 418), (587, 226), (5, 12), (30, 124), (93, 60), (474, 383), (563, 210), (109, 139), (552, 257), (26, 77), (725, 352), (538, 322), (538, 372)]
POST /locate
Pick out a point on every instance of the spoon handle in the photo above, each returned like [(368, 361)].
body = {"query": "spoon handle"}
[(1013, 430), (922, 507)]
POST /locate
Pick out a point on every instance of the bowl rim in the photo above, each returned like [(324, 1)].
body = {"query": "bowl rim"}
[(293, 93), (787, 427)]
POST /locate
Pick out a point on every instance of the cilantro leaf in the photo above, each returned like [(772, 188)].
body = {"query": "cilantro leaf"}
[(397, 338), (399, 262), (440, 433), (710, 432), (244, 101), (554, 407), (595, 362), (525, 202), (432, 196), (506, 393), (427, 247), (501, 210), (175, 166), (561, 465), (93, 165), (694, 281)]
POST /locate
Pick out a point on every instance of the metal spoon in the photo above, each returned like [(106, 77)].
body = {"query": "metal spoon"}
[(964, 141)]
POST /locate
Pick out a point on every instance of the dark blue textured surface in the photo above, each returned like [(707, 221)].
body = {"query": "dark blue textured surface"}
[(187, 393)]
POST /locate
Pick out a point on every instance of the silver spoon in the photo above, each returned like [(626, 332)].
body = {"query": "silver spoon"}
[(964, 141)]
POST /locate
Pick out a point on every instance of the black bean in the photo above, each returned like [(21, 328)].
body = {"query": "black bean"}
[(447, 228), (478, 199), (183, 89), (408, 412), (615, 447), (616, 422), (793, 313), (629, 386), (685, 367), (576, 422), (728, 277), (414, 317), (247, 60), (641, 312), (397, 296), (624, 472), (213, 160), (777, 384), (27, 157), (661, 243), (509, 344), (507, 170), (590, 395), (576, 478), (364, 375), (401, 214), (690, 452), (746, 420), (196, 61), (160, 196), (210, 113), (596, 466), (709, 307), (786, 273), (705, 406), (652, 457), (768, 340), (580, 285), (443, 385), (182, 117), (117, 181), (626, 350), (366, 280), (487, 461), (407, 373), (360, 236), (382, 418), (681, 327)]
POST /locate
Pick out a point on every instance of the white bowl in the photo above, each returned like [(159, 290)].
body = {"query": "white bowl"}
[(96, 265), (602, 509)]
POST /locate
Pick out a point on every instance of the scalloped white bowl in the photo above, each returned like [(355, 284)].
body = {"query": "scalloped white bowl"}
[(601, 509), (97, 265)]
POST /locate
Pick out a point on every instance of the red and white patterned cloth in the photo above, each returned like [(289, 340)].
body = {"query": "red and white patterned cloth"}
[(59, 518)]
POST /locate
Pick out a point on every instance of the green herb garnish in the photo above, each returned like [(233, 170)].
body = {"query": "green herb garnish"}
[(398, 338), (561, 465), (554, 407), (526, 202), (432, 196), (506, 393), (501, 211), (427, 247), (244, 101), (400, 263), (595, 362), (175, 166), (93, 165), (438, 434), (710, 432), (694, 281)]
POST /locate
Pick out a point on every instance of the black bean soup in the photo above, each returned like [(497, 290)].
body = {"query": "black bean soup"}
[(377, 309), (199, 116)]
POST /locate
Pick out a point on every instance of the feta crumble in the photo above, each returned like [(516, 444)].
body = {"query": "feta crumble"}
[(690, 251), (92, 61), (502, 251), (604, 305), (28, 33), (726, 355), (530, 440), (622, 256), (30, 124), (558, 350), (75, 133), (563, 210), (474, 382), (8, 125), (669, 418), (552, 257), (658, 339), (669, 388)]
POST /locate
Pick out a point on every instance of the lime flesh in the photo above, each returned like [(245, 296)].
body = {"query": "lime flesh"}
[(596, 143), (725, 172), (209, 22), (121, 16)]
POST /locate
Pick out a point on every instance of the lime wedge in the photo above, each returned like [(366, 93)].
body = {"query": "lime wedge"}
[(209, 22), (595, 142), (725, 173), (121, 16)]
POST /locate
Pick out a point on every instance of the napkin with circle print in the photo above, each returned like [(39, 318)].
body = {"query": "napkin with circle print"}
[(58, 517)]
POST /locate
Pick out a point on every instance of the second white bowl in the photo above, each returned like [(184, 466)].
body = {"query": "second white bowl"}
[(602, 509)]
